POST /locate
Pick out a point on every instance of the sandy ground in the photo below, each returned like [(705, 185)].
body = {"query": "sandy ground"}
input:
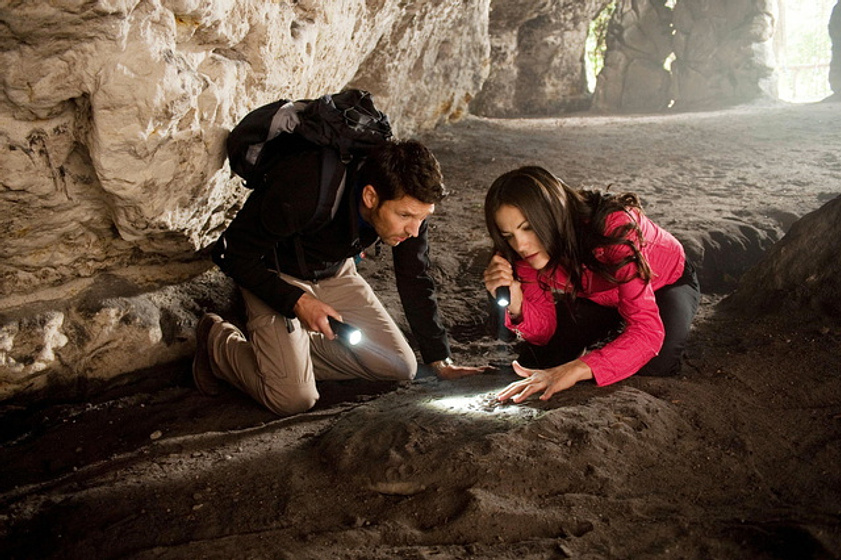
[(738, 457)]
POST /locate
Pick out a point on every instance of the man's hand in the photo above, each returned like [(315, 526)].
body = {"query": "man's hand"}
[(550, 381), (313, 313), (446, 369)]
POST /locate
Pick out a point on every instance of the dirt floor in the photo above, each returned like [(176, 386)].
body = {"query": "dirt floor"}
[(738, 457)]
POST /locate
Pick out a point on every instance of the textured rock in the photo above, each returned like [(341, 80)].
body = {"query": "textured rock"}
[(536, 65), (112, 326), (723, 50), (801, 275), (430, 65), (639, 41), (834, 29)]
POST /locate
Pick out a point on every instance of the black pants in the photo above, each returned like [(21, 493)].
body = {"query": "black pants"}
[(585, 324)]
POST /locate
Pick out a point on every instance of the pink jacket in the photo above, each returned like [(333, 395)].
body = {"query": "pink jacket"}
[(643, 335)]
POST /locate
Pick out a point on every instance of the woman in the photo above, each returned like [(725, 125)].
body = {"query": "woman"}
[(581, 267)]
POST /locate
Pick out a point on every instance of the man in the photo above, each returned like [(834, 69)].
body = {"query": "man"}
[(292, 279)]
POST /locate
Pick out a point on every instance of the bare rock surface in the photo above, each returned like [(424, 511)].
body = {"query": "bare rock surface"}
[(800, 274), (536, 62), (724, 51)]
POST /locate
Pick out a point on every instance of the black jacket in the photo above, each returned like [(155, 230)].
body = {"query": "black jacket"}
[(266, 235)]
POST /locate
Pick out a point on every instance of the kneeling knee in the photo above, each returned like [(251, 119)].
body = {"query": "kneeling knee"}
[(407, 368), (293, 402)]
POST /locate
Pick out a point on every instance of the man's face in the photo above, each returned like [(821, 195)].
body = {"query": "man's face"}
[(394, 220)]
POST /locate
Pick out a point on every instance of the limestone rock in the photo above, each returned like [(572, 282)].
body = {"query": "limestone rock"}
[(536, 65), (718, 53), (834, 29), (638, 43), (801, 274), (723, 52), (114, 326), (430, 64)]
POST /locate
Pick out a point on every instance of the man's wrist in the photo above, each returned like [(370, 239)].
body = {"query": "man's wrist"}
[(438, 365)]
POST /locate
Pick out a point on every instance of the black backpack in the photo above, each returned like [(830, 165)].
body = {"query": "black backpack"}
[(343, 127)]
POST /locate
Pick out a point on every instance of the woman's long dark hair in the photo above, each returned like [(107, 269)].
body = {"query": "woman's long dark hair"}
[(569, 223)]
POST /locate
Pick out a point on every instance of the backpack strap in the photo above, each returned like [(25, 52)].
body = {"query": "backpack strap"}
[(331, 188), (332, 185)]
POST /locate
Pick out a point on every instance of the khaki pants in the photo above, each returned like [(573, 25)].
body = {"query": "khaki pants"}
[(279, 368)]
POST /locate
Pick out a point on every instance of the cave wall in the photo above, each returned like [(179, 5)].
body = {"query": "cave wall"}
[(724, 52), (834, 29), (536, 63), (639, 41), (718, 52)]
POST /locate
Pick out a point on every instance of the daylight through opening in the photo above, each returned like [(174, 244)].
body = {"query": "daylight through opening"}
[(597, 44), (803, 50)]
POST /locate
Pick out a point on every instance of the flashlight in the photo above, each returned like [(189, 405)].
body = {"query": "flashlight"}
[(503, 296), (348, 334)]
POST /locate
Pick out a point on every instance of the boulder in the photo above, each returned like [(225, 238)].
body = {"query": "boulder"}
[(639, 40), (801, 275), (537, 58), (724, 54)]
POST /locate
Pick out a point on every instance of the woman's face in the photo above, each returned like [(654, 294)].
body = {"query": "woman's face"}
[(517, 231)]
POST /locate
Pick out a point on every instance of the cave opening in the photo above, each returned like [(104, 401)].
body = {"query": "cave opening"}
[(803, 50)]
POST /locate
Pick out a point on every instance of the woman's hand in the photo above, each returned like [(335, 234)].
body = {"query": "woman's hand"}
[(499, 273), (550, 381)]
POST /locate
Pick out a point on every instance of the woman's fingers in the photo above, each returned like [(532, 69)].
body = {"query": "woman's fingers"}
[(499, 267), (498, 273), (550, 381), (529, 390), (511, 390), (550, 390), (522, 371), (521, 390), (499, 259)]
